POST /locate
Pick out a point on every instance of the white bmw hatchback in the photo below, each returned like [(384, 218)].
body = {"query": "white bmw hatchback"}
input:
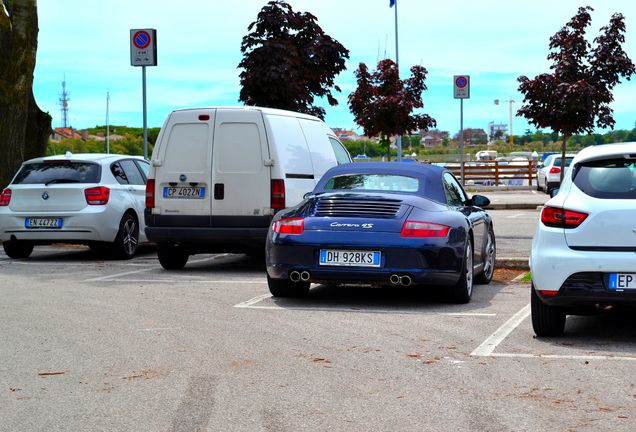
[(92, 199), (584, 249)]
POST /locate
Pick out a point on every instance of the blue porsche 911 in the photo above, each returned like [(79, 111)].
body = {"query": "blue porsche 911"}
[(383, 223)]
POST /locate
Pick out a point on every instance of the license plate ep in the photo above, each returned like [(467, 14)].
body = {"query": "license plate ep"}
[(622, 281), (184, 192), (40, 222), (350, 258)]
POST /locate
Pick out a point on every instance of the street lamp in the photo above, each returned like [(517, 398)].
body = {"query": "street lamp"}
[(510, 102)]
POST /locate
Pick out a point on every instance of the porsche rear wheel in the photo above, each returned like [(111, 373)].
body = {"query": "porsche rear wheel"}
[(462, 291), (287, 288), (489, 259)]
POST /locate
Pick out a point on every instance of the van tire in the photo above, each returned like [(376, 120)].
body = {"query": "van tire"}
[(17, 249), (287, 288), (171, 256), (125, 245)]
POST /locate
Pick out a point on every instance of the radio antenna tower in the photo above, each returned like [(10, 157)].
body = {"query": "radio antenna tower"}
[(64, 99)]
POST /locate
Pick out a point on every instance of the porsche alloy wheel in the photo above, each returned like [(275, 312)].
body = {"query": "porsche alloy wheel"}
[(463, 290), (489, 259)]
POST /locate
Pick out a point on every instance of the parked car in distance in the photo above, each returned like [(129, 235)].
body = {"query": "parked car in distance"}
[(549, 173), (583, 253), (383, 223), (219, 175), (92, 199)]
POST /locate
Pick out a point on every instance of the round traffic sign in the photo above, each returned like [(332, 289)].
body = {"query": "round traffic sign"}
[(461, 81), (141, 39)]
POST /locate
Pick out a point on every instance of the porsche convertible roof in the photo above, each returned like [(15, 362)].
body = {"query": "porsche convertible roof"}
[(430, 176)]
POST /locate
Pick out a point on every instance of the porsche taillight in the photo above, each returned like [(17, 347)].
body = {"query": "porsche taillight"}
[(423, 229), (97, 195), (561, 218), (5, 197), (150, 193), (289, 226)]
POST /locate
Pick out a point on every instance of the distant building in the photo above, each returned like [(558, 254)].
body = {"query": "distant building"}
[(58, 134), (433, 137), (346, 134), (497, 131)]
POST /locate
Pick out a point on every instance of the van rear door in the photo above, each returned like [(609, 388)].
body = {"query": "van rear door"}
[(241, 174), (183, 179)]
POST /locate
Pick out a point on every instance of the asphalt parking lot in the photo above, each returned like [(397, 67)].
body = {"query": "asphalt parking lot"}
[(93, 344)]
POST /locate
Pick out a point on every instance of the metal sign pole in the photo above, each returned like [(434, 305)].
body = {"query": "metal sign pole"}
[(143, 84), (461, 138), (397, 65)]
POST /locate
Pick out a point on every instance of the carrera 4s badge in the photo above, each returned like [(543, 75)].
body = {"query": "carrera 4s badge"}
[(351, 225)]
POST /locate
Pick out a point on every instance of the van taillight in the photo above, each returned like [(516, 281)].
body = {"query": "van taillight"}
[(150, 193), (5, 197), (278, 194), (97, 195)]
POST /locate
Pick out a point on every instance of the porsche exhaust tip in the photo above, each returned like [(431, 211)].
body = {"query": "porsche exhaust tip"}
[(405, 280), (294, 276), (394, 279), (304, 276)]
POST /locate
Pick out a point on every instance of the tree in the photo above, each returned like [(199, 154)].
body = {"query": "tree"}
[(576, 96), (288, 61), (382, 104), (24, 128)]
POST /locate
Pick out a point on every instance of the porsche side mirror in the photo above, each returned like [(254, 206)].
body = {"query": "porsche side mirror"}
[(480, 201)]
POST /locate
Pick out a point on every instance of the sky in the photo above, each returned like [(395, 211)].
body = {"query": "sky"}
[(87, 43)]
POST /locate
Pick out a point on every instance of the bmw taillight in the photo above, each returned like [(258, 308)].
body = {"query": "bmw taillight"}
[(290, 226), (5, 197), (97, 195), (555, 170), (561, 218), (150, 193), (278, 194), (423, 229)]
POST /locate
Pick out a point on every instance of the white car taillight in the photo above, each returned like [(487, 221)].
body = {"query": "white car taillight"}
[(97, 195), (5, 197), (561, 218)]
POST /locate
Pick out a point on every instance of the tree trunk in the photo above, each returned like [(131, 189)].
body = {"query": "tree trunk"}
[(24, 128), (566, 136)]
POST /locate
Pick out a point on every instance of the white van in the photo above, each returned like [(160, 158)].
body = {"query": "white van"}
[(218, 176)]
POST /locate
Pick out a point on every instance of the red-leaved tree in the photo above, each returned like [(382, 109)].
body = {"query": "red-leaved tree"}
[(383, 104), (288, 61), (575, 97)]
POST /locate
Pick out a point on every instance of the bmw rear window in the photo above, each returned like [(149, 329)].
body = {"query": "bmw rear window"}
[(58, 171), (376, 182), (609, 179)]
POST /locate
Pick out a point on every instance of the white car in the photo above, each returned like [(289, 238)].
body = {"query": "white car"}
[(549, 174), (584, 249), (92, 199)]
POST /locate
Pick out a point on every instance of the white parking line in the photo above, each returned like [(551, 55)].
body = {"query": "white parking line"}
[(488, 346), (115, 276), (182, 281), (562, 357), (252, 304)]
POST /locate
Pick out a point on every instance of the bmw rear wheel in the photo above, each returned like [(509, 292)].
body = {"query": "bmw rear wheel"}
[(171, 256), (287, 288), (17, 249), (127, 240), (489, 259), (546, 320), (463, 290)]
